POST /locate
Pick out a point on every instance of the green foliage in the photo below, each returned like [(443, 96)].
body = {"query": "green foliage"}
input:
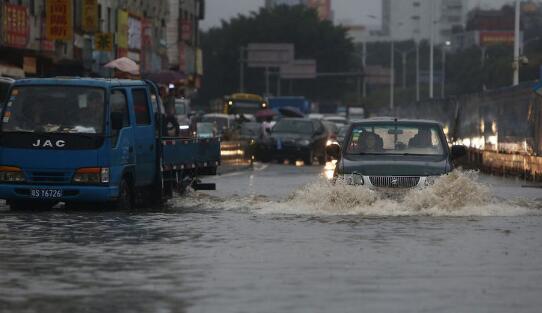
[(313, 38)]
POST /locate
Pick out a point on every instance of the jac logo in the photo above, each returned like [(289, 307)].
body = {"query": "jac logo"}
[(49, 143)]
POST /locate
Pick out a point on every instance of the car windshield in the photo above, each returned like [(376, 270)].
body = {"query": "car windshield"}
[(4, 87), (181, 107), (395, 138), (205, 128), (55, 109), (251, 129), (245, 107), (293, 126), (221, 123)]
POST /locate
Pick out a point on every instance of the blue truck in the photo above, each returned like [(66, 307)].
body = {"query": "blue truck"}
[(94, 141), (300, 103)]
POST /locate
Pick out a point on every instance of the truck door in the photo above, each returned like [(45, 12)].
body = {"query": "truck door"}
[(145, 147), (122, 140)]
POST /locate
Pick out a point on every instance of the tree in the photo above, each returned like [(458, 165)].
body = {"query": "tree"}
[(313, 38)]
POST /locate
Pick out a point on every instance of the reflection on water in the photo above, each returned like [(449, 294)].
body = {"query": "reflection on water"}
[(326, 248)]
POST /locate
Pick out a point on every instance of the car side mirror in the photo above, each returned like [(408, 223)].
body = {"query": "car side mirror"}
[(334, 151), (458, 151), (117, 120)]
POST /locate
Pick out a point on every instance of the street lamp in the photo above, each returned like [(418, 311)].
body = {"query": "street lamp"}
[(445, 45)]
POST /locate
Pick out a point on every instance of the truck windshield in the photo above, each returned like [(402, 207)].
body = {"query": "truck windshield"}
[(55, 109), (395, 138)]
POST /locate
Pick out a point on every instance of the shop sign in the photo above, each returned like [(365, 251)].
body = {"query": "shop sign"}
[(103, 42), (488, 38), (134, 33), (16, 28), (89, 23), (199, 62), (122, 28), (59, 19), (29, 65)]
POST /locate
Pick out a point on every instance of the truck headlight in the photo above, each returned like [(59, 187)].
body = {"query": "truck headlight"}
[(11, 174), (304, 142), (92, 175)]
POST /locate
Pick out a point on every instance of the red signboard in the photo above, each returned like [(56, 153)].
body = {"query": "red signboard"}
[(186, 30), (489, 38), (16, 27)]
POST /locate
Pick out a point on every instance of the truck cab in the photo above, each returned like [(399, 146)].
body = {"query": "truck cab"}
[(91, 141)]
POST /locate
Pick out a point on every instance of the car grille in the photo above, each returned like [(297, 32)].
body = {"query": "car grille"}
[(395, 181), (49, 177)]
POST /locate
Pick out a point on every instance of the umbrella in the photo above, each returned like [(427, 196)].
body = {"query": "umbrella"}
[(291, 112), (124, 64), (265, 114), (165, 77)]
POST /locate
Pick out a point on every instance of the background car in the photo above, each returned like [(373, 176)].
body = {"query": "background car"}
[(297, 138), (206, 130), (224, 123)]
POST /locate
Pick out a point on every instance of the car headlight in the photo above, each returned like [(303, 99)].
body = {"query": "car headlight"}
[(430, 180), (354, 179), (92, 175), (304, 142), (11, 174), (184, 127)]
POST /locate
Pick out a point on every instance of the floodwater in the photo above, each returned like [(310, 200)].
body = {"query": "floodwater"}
[(278, 239)]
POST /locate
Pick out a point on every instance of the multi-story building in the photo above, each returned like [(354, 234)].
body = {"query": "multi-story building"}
[(183, 36), (81, 36), (417, 19), (323, 7)]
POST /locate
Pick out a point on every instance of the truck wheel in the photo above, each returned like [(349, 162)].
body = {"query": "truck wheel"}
[(125, 200)]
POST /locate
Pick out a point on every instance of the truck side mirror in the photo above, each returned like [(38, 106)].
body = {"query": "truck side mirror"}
[(334, 151), (117, 120), (458, 152)]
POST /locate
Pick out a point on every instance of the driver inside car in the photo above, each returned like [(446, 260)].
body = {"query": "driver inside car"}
[(369, 143)]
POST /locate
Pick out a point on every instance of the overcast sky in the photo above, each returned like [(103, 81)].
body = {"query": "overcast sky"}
[(354, 11)]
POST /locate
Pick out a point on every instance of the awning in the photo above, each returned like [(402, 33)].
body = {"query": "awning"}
[(11, 71)]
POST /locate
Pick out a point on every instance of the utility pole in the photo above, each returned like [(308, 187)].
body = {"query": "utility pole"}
[(241, 69), (404, 57), (266, 81), (516, 43), (417, 71), (392, 76), (432, 51), (443, 86), (364, 64)]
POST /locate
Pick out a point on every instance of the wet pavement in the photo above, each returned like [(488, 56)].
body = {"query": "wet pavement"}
[(253, 246)]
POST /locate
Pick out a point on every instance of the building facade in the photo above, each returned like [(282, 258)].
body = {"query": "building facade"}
[(78, 37)]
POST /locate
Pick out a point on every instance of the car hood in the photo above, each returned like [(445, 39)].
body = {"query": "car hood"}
[(393, 165), (290, 136)]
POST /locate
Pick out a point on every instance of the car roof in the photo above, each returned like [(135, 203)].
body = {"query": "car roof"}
[(219, 115), (386, 120), (80, 81)]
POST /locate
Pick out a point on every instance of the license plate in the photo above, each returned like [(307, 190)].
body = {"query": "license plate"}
[(46, 193)]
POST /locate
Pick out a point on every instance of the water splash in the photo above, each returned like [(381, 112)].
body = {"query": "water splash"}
[(459, 193)]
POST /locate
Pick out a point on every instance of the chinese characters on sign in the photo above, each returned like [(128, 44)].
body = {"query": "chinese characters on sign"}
[(134, 33), (59, 19), (15, 26), (103, 41), (90, 16)]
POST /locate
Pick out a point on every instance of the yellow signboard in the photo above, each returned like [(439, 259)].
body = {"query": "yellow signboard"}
[(122, 29), (89, 23), (59, 19), (103, 41)]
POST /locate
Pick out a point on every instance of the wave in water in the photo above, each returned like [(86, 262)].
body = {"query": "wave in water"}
[(457, 194)]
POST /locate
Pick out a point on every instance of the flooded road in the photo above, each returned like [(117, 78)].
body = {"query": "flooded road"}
[(256, 246)]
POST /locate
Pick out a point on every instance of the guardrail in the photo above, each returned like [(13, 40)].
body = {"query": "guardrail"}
[(505, 164)]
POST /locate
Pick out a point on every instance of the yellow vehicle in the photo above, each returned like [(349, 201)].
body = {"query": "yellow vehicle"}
[(244, 103)]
